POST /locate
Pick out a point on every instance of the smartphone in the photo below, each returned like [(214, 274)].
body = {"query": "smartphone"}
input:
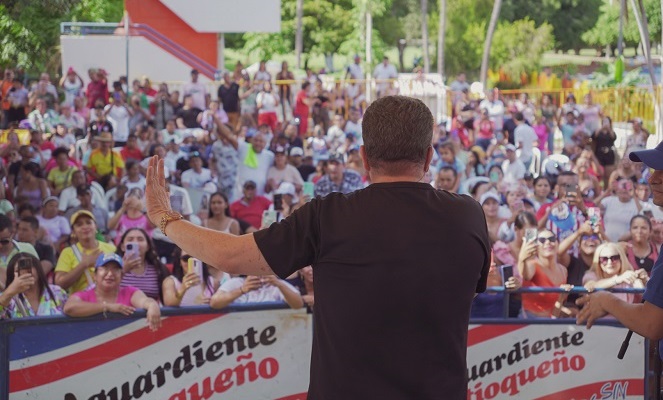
[(132, 250), (572, 190), (625, 184), (309, 189), (24, 266), (196, 266), (494, 177), (278, 202), (507, 272), (268, 218), (594, 215), (530, 234), (116, 96)]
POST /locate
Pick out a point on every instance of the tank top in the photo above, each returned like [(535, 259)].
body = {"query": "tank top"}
[(33, 197), (540, 302)]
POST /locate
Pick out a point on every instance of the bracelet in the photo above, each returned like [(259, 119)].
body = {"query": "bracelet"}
[(179, 295), (169, 216), (105, 309)]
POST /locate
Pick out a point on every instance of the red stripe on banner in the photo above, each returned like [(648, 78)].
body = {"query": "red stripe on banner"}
[(636, 387), (42, 374), (300, 396), (483, 333)]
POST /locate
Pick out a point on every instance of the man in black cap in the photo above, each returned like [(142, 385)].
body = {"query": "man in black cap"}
[(644, 318)]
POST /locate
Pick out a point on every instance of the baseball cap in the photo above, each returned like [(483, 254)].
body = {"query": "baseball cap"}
[(337, 158), (107, 258), (296, 151), (287, 188), (510, 147), (489, 195), (251, 132), (279, 150), (653, 158), (249, 183), (194, 71), (81, 213)]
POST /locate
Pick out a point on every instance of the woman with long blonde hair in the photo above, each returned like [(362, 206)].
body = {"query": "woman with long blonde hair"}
[(611, 269)]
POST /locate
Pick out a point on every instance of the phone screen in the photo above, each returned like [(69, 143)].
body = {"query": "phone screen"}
[(308, 189), (507, 272), (132, 250), (530, 234), (24, 267), (494, 176), (268, 218), (278, 202)]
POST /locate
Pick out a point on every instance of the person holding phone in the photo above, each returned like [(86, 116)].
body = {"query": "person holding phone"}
[(179, 287), (142, 267), (644, 318), (611, 269), (256, 289), (538, 264), (28, 293), (108, 295)]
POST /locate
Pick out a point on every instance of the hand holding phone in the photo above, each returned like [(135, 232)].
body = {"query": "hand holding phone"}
[(507, 272), (195, 266), (132, 251), (308, 189), (268, 218), (530, 234)]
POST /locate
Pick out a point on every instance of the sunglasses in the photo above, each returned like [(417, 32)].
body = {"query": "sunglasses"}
[(543, 239), (5, 242), (590, 237), (614, 259)]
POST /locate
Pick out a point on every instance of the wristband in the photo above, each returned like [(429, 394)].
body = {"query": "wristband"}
[(169, 216)]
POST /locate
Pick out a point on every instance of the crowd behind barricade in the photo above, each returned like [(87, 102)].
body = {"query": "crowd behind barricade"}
[(74, 237)]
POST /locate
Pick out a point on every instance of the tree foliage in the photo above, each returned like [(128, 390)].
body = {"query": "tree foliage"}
[(30, 29), (570, 19), (518, 46), (606, 30)]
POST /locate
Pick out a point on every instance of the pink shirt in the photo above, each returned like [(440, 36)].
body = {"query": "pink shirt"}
[(541, 131), (123, 296), (127, 223)]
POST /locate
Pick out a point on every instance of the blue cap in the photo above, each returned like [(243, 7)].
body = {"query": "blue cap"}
[(251, 132), (652, 158), (107, 258)]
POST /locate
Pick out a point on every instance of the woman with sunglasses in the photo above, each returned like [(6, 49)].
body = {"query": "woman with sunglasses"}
[(611, 269), (28, 293), (640, 250), (539, 267), (177, 287)]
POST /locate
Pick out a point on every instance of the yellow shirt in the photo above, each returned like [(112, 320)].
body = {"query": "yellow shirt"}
[(68, 262), (61, 179), (102, 165)]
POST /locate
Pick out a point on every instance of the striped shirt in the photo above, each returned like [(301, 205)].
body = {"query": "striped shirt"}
[(148, 281)]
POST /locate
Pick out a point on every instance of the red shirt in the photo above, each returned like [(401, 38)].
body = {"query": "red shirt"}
[(127, 154), (97, 90), (251, 212), (301, 108)]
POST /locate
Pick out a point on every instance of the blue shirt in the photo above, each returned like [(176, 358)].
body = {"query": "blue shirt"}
[(654, 292)]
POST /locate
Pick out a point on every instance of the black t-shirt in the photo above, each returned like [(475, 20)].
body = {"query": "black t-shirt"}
[(396, 267), (305, 171), (189, 117), (45, 252), (510, 126), (229, 97)]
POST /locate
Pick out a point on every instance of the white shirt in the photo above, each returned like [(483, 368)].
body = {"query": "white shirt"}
[(198, 93), (355, 71), (495, 112), (524, 137), (69, 198), (265, 293), (355, 127), (71, 91), (617, 216), (257, 175), (515, 171), (196, 180), (119, 116), (385, 72), (131, 185), (268, 101), (55, 227)]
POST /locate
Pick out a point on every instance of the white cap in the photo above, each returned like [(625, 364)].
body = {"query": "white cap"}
[(288, 188), (489, 195)]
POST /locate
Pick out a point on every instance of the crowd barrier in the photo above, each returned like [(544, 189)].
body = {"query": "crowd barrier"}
[(263, 352)]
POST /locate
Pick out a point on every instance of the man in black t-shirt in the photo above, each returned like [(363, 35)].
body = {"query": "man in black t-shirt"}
[(396, 265), (99, 126), (229, 95)]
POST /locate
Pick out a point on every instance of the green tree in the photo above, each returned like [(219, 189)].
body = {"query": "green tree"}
[(606, 29), (570, 19), (30, 29), (518, 46)]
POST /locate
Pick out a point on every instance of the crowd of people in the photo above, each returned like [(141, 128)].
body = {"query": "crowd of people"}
[(74, 237)]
